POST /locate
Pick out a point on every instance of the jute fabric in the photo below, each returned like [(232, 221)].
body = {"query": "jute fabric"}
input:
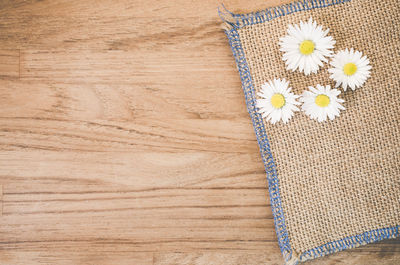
[(338, 178)]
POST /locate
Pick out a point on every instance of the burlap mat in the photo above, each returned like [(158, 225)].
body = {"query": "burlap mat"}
[(336, 184)]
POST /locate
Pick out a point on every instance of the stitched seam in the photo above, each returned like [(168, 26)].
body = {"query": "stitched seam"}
[(242, 20), (351, 242), (270, 169)]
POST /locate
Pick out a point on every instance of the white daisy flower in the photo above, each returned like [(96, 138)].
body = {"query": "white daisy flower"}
[(321, 102), (306, 47), (350, 68), (277, 102)]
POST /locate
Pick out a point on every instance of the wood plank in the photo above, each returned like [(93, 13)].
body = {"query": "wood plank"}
[(217, 258), (60, 257), (1, 200), (161, 215), (385, 253), (122, 24), (9, 63)]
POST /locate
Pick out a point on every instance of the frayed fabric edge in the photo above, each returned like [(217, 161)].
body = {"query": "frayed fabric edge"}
[(237, 21)]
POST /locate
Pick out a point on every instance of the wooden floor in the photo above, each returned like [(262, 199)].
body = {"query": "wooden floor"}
[(124, 139)]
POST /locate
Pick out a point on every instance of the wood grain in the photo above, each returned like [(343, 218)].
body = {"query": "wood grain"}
[(1, 200), (9, 64), (124, 139)]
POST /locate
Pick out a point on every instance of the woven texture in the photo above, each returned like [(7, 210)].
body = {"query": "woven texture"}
[(340, 178)]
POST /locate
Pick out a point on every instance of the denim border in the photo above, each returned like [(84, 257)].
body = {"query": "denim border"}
[(241, 20), (351, 242), (236, 22), (263, 143)]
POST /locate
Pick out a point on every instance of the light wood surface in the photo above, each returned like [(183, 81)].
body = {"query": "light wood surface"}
[(124, 139)]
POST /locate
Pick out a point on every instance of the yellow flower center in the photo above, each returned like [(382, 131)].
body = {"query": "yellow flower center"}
[(322, 100), (349, 69), (278, 101), (306, 47)]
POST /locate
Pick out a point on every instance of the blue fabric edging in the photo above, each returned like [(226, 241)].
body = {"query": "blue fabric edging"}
[(273, 185), (235, 22), (241, 20), (351, 242)]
